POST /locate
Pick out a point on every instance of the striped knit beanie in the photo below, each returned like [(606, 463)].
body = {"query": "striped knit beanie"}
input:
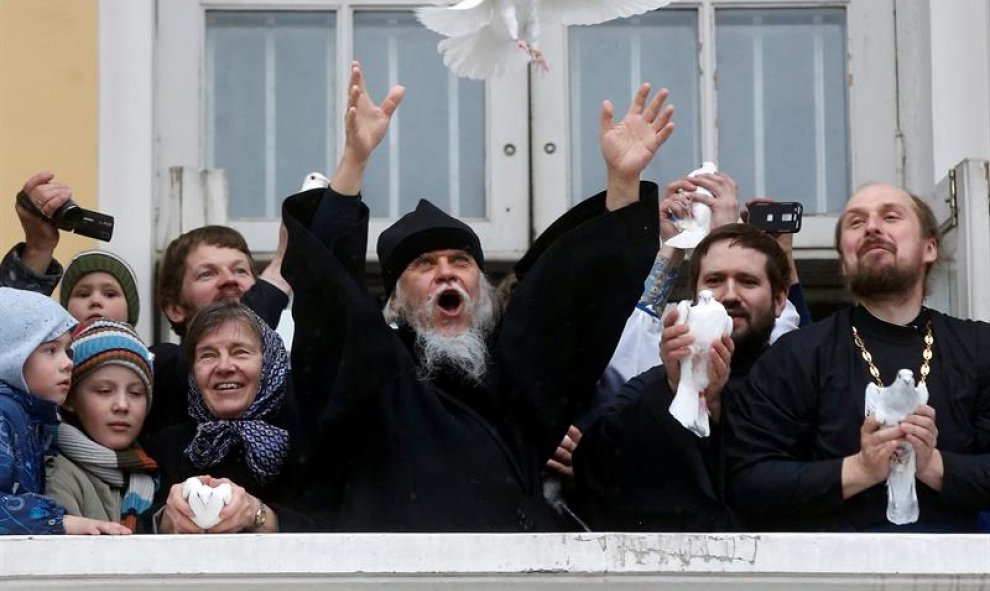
[(92, 261), (102, 341)]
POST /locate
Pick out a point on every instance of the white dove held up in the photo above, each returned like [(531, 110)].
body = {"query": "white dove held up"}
[(889, 406), (696, 227), (488, 38), (708, 322), (314, 180)]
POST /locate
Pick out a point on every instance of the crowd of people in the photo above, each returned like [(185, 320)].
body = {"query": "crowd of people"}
[(456, 406)]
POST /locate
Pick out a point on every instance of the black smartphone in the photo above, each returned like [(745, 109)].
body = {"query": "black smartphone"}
[(781, 217)]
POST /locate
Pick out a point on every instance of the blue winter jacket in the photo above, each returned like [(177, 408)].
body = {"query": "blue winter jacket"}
[(27, 427)]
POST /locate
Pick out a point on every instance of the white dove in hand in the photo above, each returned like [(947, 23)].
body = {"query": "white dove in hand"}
[(314, 180), (696, 227), (889, 406), (708, 322), (487, 38)]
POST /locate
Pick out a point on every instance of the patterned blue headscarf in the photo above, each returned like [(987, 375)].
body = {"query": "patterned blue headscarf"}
[(265, 445)]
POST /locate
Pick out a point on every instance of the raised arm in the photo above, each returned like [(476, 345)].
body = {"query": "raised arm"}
[(366, 125), (629, 146)]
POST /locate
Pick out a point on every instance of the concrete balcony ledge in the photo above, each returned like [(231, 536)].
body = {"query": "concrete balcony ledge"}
[(492, 561)]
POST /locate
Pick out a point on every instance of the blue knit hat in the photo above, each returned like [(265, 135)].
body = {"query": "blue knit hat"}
[(103, 341), (27, 319)]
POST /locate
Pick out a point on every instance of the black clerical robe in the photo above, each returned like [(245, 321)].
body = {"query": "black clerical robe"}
[(398, 453), (638, 469), (801, 410)]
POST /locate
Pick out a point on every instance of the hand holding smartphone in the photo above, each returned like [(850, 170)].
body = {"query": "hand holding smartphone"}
[(776, 217)]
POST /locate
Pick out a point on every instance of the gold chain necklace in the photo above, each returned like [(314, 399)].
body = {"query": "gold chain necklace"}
[(926, 356)]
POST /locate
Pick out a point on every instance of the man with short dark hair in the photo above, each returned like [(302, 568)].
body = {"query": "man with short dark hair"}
[(801, 454), (436, 415), (637, 467)]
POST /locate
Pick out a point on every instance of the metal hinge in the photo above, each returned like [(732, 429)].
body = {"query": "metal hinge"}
[(953, 203)]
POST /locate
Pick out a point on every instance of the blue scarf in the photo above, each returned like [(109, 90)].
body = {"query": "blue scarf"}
[(265, 445)]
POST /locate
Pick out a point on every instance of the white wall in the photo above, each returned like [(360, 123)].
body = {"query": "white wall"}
[(495, 561), (960, 88)]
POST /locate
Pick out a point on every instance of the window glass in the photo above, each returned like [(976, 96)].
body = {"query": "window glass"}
[(782, 104), (610, 61), (269, 103), (435, 147)]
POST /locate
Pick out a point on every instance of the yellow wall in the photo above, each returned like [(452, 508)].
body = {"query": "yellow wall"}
[(48, 104)]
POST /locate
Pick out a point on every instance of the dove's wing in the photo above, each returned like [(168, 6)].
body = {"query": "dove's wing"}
[(592, 12), (463, 18), (922, 393), (872, 398), (481, 55), (683, 311)]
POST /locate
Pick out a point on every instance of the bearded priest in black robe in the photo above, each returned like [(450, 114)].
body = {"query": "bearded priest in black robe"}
[(802, 453), (436, 415)]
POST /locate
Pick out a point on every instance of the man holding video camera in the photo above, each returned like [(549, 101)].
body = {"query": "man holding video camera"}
[(30, 265)]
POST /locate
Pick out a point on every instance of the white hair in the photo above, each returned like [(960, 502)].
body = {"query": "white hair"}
[(465, 352)]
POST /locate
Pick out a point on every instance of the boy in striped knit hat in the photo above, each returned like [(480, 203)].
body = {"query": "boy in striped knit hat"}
[(102, 472)]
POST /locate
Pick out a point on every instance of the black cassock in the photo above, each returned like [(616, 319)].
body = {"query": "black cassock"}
[(638, 469), (802, 408), (399, 454)]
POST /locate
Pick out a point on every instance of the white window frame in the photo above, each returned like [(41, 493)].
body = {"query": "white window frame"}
[(180, 119), (872, 108)]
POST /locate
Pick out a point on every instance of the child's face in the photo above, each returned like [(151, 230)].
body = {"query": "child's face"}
[(111, 404), (97, 295), (48, 370), (227, 369)]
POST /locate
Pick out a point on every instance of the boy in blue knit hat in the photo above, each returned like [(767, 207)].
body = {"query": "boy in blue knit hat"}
[(35, 375)]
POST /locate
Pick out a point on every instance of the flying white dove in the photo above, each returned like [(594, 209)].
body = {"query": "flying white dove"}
[(314, 180), (487, 38), (889, 406), (696, 227), (708, 321)]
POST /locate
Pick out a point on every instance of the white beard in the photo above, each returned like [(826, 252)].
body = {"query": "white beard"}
[(466, 352)]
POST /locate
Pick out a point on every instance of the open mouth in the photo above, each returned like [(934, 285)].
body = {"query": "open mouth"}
[(450, 301), (227, 387)]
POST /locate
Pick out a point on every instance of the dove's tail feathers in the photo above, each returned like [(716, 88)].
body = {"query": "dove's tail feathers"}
[(687, 239), (458, 20), (689, 409), (481, 55), (902, 495), (585, 12)]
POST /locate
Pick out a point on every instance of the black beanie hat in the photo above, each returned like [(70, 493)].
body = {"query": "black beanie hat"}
[(423, 230)]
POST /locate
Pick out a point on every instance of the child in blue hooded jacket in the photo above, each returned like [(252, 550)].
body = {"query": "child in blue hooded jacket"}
[(35, 375)]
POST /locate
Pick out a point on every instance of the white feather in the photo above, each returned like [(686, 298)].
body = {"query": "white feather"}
[(487, 38), (592, 12), (481, 55), (889, 406), (708, 321), (463, 18)]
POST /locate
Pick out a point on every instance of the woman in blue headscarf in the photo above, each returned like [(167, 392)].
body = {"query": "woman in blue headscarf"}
[(240, 443)]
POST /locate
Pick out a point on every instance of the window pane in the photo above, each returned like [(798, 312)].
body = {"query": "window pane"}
[(269, 103), (610, 61), (782, 104), (435, 147)]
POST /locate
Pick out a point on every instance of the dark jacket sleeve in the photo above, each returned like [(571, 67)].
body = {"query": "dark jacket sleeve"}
[(267, 301), (568, 312), (13, 273), (772, 421), (341, 345), (966, 480)]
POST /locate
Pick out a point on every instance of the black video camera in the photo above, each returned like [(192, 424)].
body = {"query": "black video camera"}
[(72, 218)]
